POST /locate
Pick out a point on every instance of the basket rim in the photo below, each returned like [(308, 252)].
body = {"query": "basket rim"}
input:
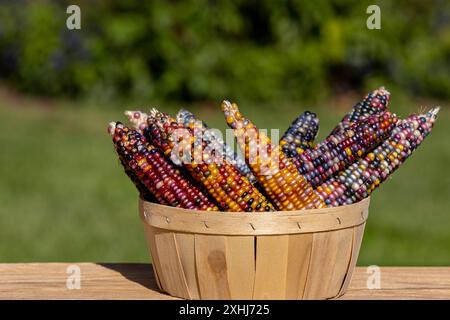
[(251, 223)]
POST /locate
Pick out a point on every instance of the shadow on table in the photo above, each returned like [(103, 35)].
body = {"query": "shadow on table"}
[(141, 273)]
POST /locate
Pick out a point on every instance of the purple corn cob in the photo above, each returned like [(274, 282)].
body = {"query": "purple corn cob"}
[(341, 149), (373, 103), (300, 135), (360, 179)]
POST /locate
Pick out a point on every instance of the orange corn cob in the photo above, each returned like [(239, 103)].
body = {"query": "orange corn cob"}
[(221, 179), (285, 186), (189, 120)]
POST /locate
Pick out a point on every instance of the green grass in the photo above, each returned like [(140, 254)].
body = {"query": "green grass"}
[(64, 197)]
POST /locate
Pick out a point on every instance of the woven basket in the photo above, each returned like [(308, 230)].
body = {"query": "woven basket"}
[(308, 254)]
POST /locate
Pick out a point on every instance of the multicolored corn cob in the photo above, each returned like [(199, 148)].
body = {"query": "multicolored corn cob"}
[(276, 173), (341, 149), (156, 173), (144, 193), (360, 179), (214, 139), (373, 103), (138, 119), (221, 179), (300, 135)]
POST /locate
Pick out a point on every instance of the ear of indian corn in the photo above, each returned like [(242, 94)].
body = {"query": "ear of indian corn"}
[(341, 149), (276, 173), (360, 179), (138, 119), (220, 178), (373, 103), (123, 156), (215, 140), (300, 135), (156, 173)]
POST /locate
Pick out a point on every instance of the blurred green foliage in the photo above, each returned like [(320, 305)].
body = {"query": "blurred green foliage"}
[(202, 50)]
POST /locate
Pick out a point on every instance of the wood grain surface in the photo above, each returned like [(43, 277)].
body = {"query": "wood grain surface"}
[(136, 281)]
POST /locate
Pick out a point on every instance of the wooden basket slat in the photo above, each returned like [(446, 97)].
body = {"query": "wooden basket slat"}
[(171, 267), (358, 232), (343, 244), (241, 266), (299, 251), (211, 266), (271, 267), (186, 250), (150, 236), (330, 256), (158, 282)]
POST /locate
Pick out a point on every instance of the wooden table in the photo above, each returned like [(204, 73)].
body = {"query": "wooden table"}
[(136, 281)]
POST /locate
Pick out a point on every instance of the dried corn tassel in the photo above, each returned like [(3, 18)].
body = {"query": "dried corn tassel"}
[(373, 103), (138, 119), (300, 135), (214, 139), (360, 179), (285, 186), (220, 178), (341, 149), (156, 173)]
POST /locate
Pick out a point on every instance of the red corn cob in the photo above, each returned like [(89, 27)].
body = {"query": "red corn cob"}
[(221, 179), (156, 173), (140, 121), (123, 155), (360, 179), (284, 185)]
